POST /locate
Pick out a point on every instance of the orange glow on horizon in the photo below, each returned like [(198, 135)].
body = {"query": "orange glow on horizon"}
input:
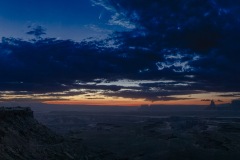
[(98, 99), (129, 102)]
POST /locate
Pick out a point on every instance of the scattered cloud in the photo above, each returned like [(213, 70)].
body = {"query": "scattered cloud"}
[(37, 31), (193, 44), (230, 95), (117, 17), (98, 29), (206, 100)]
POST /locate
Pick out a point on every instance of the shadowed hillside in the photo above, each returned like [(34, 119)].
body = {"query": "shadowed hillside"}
[(24, 138)]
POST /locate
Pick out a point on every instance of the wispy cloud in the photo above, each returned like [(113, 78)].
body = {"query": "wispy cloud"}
[(118, 18), (37, 31)]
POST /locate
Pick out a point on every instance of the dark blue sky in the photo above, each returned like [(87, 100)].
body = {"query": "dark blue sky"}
[(138, 51), (72, 19)]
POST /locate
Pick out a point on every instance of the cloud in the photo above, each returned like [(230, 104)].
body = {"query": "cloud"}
[(51, 67), (230, 95), (102, 3), (150, 94), (97, 29), (193, 44), (36, 31), (204, 33), (117, 18), (95, 98), (194, 25), (209, 100)]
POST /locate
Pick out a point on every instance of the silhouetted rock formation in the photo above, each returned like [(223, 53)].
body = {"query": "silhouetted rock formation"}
[(212, 106), (235, 104), (15, 111)]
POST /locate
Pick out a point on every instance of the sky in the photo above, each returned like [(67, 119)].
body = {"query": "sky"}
[(119, 52)]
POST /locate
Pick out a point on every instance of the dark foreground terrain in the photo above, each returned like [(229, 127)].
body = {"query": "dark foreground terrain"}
[(197, 135), (23, 138)]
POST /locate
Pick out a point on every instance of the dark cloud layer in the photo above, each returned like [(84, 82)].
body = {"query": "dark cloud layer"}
[(193, 43), (192, 24), (151, 95), (210, 29)]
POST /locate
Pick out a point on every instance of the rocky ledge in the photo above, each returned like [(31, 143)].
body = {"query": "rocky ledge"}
[(8, 112), (23, 138)]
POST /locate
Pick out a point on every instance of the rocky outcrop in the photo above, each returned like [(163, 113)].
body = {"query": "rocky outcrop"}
[(6, 112), (24, 138)]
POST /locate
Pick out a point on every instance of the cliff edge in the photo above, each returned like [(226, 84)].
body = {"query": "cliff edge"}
[(23, 138)]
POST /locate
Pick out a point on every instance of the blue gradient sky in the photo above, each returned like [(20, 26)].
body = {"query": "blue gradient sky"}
[(72, 19)]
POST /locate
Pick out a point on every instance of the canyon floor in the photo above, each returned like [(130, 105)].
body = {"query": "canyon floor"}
[(166, 135)]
